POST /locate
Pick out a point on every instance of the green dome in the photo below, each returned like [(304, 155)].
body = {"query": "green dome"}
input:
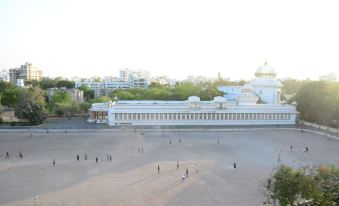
[(265, 71)]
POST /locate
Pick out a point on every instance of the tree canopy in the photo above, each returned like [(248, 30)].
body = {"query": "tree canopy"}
[(319, 186), (318, 101)]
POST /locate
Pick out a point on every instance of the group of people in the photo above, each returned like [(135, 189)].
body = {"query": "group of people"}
[(141, 149), (108, 158), (179, 140), (19, 155), (186, 171)]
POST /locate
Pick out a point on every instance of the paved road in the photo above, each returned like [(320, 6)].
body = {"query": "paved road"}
[(216, 184)]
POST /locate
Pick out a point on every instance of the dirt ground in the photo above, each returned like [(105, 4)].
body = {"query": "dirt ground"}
[(131, 177)]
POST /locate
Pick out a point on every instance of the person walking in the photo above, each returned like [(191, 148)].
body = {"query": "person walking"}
[(110, 158), (196, 168), (291, 148), (7, 155), (53, 162), (186, 172), (20, 155), (158, 169), (170, 141), (85, 156), (78, 158), (306, 148), (177, 165), (234, 165), (96, 159), (305, 153)]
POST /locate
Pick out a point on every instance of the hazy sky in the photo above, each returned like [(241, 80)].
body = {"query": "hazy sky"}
[(298, 38)]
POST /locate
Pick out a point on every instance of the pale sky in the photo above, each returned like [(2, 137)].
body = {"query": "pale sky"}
[(177, 38)]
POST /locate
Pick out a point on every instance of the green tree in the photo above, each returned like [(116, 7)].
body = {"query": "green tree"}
[(100, 100), (291, 187), (31, 105), (8, 94), (318, 101), (34, 113), (88, 92)]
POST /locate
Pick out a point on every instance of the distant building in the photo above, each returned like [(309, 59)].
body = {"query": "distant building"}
[(128, 79), (163, 80), (4, 75), (126, 74), (76, 94), (198, 79), (330, 77), (26, 72)]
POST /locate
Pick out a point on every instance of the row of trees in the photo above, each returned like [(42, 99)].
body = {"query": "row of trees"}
[(32, 105), (318, 101), (181, 91), (47, 82), (318, 186)]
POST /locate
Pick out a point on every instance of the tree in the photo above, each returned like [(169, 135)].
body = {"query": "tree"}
[(318, 186), (100, 100), (8, 94), (318, 101), (88, 92), (31, 105), (34, 113)]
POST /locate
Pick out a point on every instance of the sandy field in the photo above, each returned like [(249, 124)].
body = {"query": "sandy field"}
[(131, 178)]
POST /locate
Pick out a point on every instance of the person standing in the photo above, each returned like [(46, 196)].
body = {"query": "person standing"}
[(177, 165), (291, 147), (85, 156), (186, 172), (234, 165), (110, 158), (158, 169), (20, 155), (7, 155), (53, 162), (78, 158), (96, 159)]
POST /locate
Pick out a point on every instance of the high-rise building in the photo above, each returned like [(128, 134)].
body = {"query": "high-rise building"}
[(26, 72), (126, 74)]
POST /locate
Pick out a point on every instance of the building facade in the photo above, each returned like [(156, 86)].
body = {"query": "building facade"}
[(241, 105), (26, 72)]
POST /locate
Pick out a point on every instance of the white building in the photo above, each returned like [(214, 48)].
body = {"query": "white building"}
[(4, 75), (264, 86), (240, 109)]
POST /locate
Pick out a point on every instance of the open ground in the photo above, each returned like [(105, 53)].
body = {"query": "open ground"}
[(131, 177)]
